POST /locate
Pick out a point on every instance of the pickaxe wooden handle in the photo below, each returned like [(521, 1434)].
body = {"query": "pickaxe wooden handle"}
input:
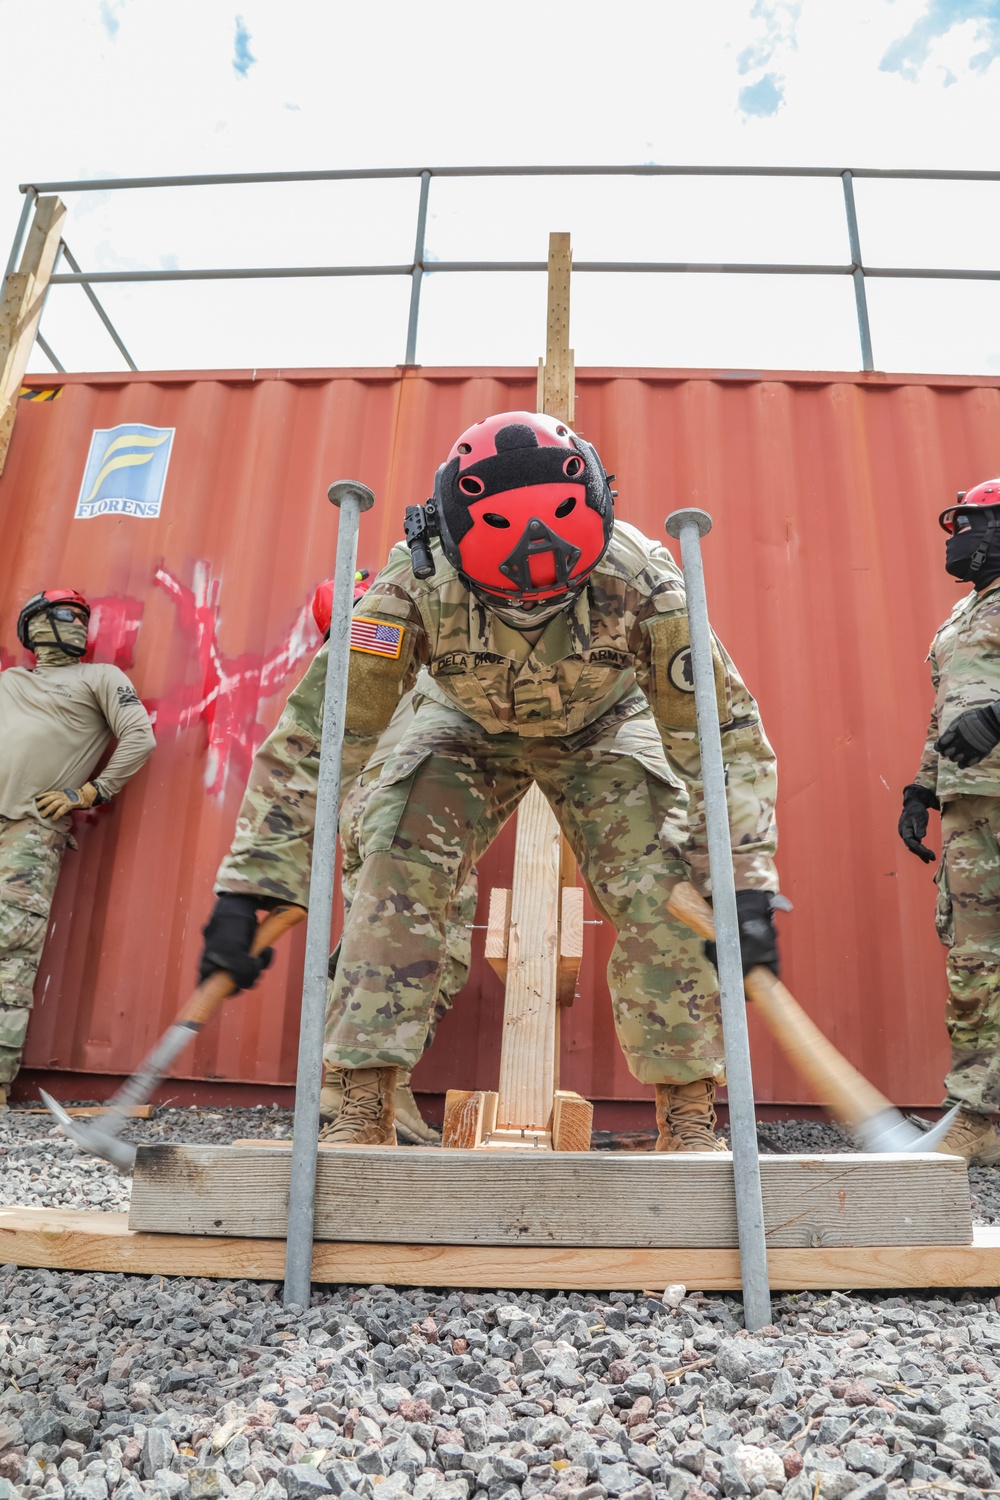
[(101, 1138), (219, 986), (838, 1085)]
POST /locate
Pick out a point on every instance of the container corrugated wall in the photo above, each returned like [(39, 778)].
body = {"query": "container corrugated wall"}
[(825, 576)]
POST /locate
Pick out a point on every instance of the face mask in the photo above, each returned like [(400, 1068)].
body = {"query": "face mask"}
[(961, 548), (71, 640)]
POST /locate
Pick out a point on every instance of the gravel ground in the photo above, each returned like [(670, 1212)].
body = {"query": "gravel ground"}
[(125, 1386)]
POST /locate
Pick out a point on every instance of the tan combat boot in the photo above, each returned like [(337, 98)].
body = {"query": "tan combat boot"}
[(331, 1095), (972, 1136), (367, 1114), (685, 1116), (411, 1126)]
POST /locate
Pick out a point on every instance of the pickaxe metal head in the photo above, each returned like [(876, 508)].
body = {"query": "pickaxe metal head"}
[(98, 1139), (889, 1131)]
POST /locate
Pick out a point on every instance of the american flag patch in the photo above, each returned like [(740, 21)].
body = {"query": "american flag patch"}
[(376, 636)]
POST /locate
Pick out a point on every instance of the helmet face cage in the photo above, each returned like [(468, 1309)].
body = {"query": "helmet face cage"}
[(524, 508), (48, 602), (969, 506)]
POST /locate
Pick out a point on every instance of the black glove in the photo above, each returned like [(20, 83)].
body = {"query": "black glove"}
[(758, 938), (913, 820), (228, 935), (971, 736)]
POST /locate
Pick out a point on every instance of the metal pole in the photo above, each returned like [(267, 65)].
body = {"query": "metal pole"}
[(860, 295), (30, 198), (418, 270), (92, 295), (352, 498), (690, 526)]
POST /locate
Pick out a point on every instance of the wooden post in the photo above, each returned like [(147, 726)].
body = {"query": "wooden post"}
[(535, 931), (543, 949), (21, 307)]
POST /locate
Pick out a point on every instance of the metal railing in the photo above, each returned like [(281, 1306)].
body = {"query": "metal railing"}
[(419, 266)]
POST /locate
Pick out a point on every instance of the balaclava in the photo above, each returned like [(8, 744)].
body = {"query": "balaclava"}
[(973, 554), (49, 640)]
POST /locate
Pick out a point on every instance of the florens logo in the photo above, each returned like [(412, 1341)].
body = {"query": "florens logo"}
[(125, 472)]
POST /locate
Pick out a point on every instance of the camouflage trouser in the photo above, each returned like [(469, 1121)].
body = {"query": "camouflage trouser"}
[(442, 798), (458, 934), (30, 856), (968, 923)]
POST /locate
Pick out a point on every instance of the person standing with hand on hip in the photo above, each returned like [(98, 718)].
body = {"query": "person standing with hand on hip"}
[(56, 720)]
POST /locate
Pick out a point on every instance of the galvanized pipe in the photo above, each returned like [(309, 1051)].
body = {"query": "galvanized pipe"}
[(30, 199), (352, 498), (858, 272), (49, 354), (78, 275), (639, 169), (690, 526), (418, 270)]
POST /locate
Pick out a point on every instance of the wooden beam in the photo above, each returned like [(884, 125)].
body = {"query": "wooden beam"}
[(570, 942), (558, 384), (498, 932), (554, 1198), (529, 1057), (572, 1122), (88, 1111), (87, 1240), (468, 1116), (21, 308)]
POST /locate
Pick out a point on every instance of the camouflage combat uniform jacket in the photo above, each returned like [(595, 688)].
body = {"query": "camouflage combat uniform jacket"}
[(599, 713), (623, 647), (965, 671)]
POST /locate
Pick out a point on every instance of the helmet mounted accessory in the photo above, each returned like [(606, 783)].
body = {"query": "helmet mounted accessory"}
[(524, 509), (977, 509), (56, 605)]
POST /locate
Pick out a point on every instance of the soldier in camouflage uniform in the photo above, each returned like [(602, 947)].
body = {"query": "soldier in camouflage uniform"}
[(959, 774), (555, 648), (410, 1124), (55, 723)]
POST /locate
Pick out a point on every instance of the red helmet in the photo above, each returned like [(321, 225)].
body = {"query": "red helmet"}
[(985, 494), (524, 508), (322, 605), (46, 603)]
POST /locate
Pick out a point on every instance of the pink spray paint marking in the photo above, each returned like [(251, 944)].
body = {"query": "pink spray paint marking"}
[(229, 690)]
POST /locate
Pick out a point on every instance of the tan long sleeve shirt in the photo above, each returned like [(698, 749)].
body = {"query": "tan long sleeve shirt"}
[(55, 724)]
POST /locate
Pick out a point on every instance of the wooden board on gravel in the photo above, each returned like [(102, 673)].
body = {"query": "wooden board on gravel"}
[(432, 1196), (86, 1240)]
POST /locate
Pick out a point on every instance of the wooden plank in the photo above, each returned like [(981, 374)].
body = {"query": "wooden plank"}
[(640, 1199), (572, 1121), (468, 1115), (497, 931), (21, 308), (570, 942), (88, 1111), (558, 394), (86, 1240), (529, 1057)]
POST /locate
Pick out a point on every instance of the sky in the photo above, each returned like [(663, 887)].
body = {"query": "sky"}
[(157, 87)]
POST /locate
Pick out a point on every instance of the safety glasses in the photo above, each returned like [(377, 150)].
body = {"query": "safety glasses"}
[(67, 613)]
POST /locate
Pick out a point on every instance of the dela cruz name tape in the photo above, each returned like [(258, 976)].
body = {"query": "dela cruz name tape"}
[(125, 472)]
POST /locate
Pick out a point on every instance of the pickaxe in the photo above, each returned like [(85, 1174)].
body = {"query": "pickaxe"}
[(101, 1138), (840, 1087)]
